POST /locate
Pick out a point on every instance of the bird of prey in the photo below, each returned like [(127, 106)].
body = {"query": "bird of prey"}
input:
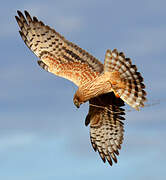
[(106, 86)]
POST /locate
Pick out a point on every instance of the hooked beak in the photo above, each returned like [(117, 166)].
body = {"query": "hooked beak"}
[(77, 104)]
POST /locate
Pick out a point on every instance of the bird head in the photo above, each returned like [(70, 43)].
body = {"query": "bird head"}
[(76, 101)]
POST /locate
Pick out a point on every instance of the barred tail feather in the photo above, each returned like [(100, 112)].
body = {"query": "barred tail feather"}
[(133, 93)]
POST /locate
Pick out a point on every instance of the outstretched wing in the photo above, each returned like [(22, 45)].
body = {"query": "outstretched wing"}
[(57, 55), (106, 126)]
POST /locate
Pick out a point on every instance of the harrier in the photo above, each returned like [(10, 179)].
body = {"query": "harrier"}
[(106, 86)]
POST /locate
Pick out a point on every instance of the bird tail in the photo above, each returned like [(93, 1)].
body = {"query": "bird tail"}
[(131, 89)]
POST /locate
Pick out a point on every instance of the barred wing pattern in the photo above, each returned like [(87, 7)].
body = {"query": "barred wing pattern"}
[(106, 126), (134, 93), (58, 55), (65, 59)]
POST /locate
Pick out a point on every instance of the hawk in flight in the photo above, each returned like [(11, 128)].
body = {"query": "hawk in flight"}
[(106, 86)]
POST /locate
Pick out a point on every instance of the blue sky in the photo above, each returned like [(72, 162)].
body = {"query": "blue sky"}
[(42, 134)]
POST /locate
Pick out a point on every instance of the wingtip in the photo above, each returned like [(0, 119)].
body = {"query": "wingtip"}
[(35, 19), (94, 146), (116, 152), (87, 120), (102, 157), (26, 13), (114, 158), (17, 18), (28, 16), (110, 162), (115, 51), (19, 13), (21, 33)]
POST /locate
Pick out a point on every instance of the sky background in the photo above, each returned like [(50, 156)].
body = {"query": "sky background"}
[(42, 134)]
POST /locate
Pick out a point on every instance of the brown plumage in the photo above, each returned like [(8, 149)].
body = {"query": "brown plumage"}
[(106, 87)]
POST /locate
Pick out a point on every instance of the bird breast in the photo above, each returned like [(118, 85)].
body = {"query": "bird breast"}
[(100, 85)]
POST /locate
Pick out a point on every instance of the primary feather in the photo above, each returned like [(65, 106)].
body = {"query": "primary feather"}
[(64, 58)]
